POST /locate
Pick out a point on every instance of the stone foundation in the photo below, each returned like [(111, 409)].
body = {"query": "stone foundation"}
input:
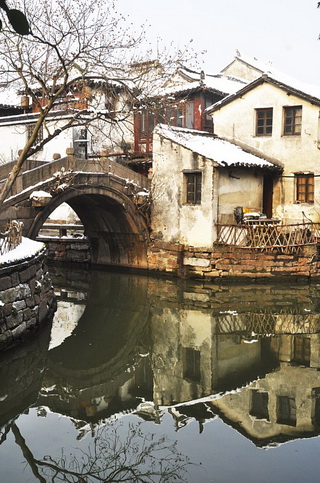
[(26, 299), (67, 250), (227, 262)]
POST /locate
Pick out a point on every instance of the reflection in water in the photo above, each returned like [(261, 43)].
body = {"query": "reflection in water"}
[(111, 458), (127, 349)]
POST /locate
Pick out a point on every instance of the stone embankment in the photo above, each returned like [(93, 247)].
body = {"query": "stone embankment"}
[(68, 250), (26, 298), (228, 262)]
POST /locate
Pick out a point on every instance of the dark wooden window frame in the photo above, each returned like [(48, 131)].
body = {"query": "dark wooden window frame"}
[(287, 413), (304, 188), (191, 364), (259, 404), (292, 121), (264, 121), (193, 187)]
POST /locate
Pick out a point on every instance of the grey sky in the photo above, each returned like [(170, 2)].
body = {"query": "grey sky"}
[(284, 32)]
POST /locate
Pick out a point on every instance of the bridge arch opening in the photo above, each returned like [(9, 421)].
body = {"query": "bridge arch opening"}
[(115, 229)]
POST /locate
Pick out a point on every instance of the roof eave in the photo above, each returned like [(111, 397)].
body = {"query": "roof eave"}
[(261, 80)]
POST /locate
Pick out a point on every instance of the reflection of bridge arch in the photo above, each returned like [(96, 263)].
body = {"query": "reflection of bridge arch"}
[(102, 197), (103, 356)]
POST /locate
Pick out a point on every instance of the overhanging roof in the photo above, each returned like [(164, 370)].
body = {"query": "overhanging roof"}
[(223, 153)]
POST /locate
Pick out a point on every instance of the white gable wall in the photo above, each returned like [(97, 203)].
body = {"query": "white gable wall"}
[(176, 221)]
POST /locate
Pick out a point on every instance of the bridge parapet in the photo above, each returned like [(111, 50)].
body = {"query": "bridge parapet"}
[(35, 177)]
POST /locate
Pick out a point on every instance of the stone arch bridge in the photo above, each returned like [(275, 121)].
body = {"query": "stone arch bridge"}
[(102, 192)]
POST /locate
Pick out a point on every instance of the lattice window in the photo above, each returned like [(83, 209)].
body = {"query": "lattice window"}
[(264, 118), (193, 182), (292, 120), (305, 188), (39, 138)]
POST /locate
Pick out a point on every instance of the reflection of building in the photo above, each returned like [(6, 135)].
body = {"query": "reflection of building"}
[(256, 364), (283, 405)]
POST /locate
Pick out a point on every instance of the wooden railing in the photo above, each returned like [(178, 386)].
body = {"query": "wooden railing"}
[(269, 237), (54, 230), (10, 237)]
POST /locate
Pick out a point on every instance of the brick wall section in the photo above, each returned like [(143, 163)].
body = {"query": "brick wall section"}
[(227, 262), (26, 299), (166, 257)]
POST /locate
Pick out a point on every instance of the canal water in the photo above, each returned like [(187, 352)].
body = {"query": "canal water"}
[(147, 379)]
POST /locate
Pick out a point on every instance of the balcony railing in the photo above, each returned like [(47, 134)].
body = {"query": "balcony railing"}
[(10, 237), (269, 236)]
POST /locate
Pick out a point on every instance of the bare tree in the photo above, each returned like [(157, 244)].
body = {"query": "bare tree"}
[(72, 46)]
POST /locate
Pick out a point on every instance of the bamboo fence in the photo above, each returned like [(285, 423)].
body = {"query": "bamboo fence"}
[(269, 237)]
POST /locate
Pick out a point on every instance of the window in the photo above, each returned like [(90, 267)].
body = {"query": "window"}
[(301, 347), (193, 188), (316, 406), (292, 120), (259, 404), (305, 188), (191, 364), (39, 138), (286, 410), (264, 122)]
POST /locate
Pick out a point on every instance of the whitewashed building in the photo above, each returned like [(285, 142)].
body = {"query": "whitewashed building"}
[(199, 180), (278, 117)]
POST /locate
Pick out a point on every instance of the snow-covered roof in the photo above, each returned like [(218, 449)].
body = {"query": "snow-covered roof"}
[(266, 68), (224, 153), (9, 97), (219, 83)]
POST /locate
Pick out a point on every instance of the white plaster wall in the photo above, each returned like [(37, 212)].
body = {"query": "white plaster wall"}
[(101, 134), (242, 70), (239, 187), (236, 121), (175, 220), (14, 138)]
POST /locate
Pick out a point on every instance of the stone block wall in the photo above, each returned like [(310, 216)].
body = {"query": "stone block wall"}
[(165, 257), (68, 250), (26, 299), (228, 262)]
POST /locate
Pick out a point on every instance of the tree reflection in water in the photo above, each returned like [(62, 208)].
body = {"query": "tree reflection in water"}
[(111, 457)]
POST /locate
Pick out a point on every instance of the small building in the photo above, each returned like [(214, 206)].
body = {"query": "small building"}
[(198, 181)]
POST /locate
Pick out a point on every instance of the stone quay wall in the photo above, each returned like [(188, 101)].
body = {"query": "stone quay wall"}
[(65, 250), (27, 299), (228, 262)]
